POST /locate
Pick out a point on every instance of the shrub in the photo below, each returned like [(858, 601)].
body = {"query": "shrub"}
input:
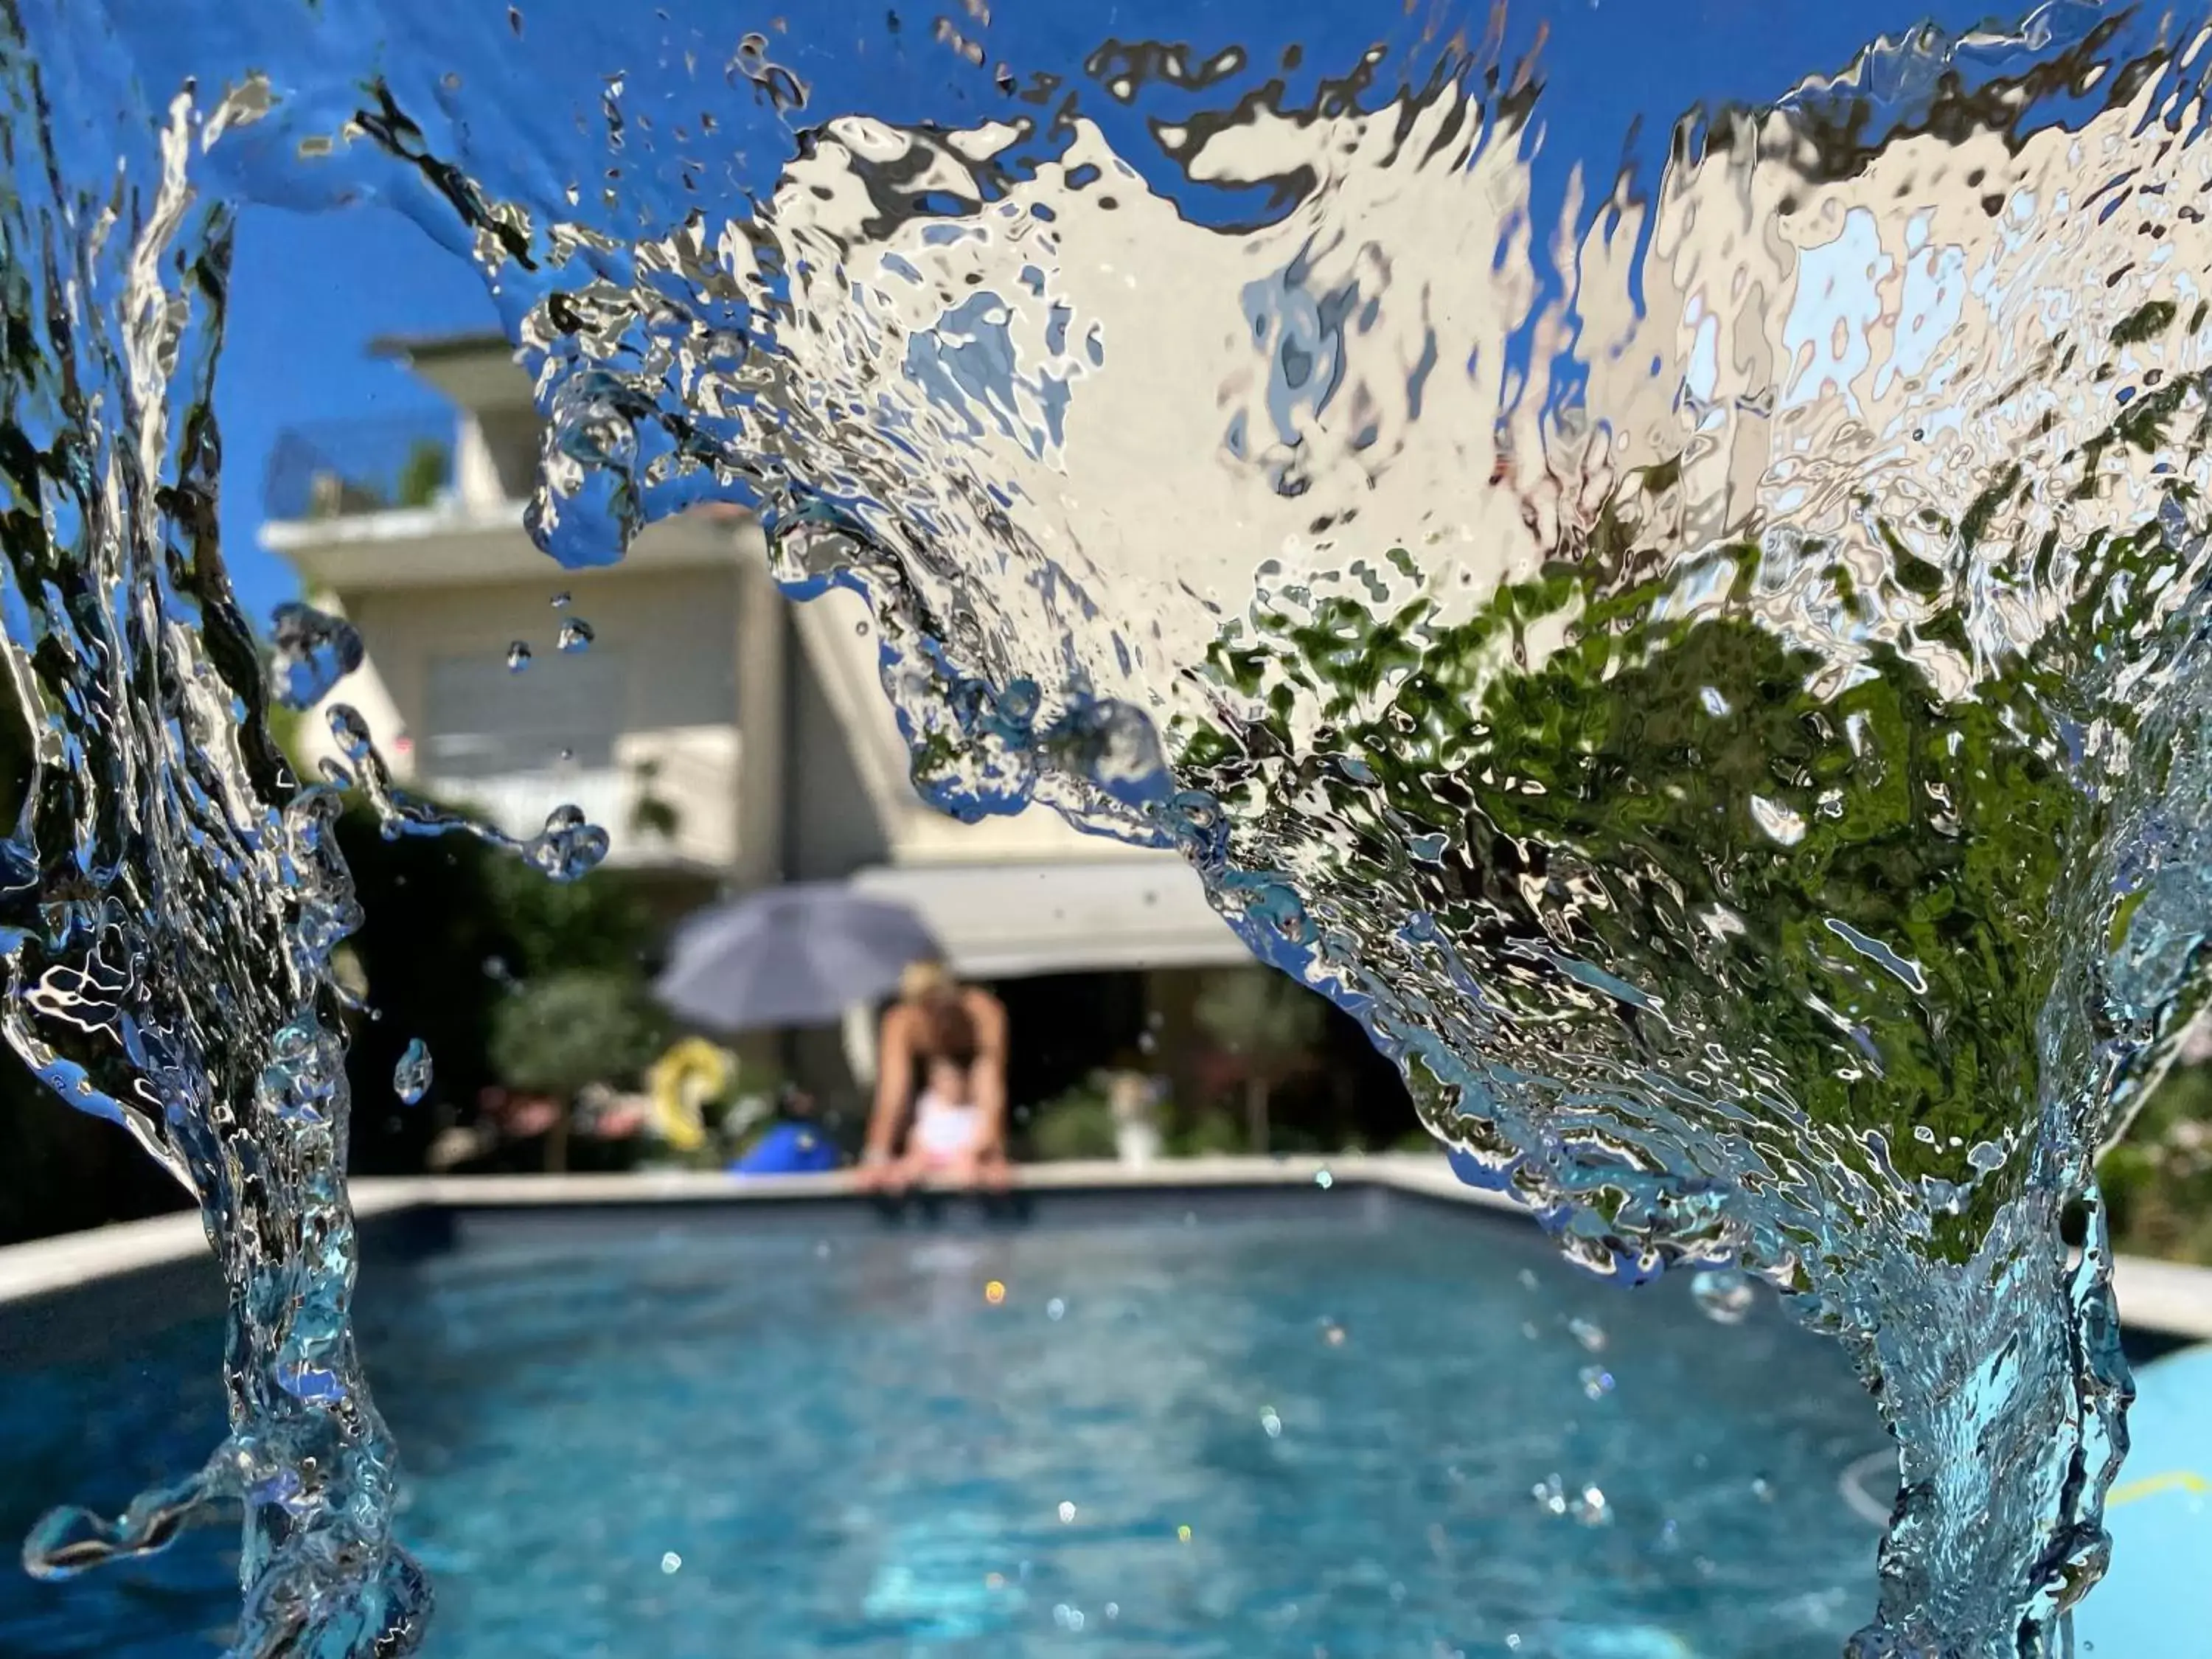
[(1210, 1134), (558, 1033), (1078, 1124), (1272, 1023)]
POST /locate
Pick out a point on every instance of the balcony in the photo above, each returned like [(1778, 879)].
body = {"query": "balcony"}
[(663, 797), (347, 468)]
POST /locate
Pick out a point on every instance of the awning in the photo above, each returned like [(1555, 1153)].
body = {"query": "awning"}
[(1014, 920)]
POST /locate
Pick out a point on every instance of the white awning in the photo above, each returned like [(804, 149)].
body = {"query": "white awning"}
[(1014, 920)]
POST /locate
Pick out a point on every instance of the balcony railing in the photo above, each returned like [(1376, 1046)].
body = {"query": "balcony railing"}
[(336, 469)]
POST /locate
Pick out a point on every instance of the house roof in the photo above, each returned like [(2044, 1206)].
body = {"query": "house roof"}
[(424, 348), (476, 368)]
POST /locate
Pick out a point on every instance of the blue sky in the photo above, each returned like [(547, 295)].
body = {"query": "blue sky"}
[(309, 291)]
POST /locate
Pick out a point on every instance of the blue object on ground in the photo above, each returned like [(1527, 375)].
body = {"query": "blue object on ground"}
[(788, 1149), (2157, 1599)]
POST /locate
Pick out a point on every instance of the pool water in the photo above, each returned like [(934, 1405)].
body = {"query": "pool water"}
[(1401, 1431)]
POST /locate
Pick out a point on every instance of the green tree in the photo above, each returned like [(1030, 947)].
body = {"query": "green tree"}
[(1270, 1022), (1681, 890), (559, 1034), (450, 926)]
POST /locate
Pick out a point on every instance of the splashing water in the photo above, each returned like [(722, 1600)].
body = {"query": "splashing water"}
[(309, 653), (1689, 625)]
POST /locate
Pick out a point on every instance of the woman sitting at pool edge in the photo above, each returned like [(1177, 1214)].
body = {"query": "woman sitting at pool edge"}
[(941, 1078)]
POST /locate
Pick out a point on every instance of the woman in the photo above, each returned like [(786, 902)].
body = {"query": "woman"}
[(941, 1078)]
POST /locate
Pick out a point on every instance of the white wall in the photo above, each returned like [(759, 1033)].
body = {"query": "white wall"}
[(658, 684)]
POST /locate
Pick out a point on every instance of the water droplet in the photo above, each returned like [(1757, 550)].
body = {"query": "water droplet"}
[(1271, 1423), (1527, 1279), (994, 1293), (518, 656), (1055, 1309), (1183, 1534), (1590, 1335), (561, 600), (672, 1563), (1596, 1381), (411, 1078), (1066, 1512), (1324, 1180), (1722, 1295), (1147, 1043), (309, 653), (568, 848), (1591, 1508), (575, 635), (1332, 1333)]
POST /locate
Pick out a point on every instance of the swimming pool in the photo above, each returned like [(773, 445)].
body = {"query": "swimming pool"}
[(1388, 1428)]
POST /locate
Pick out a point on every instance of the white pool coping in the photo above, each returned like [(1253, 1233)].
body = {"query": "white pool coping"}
[(2165, 1298)]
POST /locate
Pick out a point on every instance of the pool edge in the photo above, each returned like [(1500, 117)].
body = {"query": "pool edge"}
[(2166, 1299)]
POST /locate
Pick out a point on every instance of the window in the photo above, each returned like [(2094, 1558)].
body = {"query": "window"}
[(484, 720)]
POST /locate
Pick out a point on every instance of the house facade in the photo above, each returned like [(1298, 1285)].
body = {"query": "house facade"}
[(723, 737)]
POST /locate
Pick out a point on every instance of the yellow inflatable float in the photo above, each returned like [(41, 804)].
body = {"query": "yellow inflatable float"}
[(681, 1083)]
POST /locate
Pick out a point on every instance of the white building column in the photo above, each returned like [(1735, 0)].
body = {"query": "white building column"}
[(762, 689)]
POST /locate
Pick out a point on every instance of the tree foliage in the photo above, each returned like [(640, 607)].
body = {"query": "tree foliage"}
[(556, 1035), (1654, 862)]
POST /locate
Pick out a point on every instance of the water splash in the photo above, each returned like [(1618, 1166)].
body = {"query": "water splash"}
[(576, 635), (1692, 627), (173, 893), (309, 653)]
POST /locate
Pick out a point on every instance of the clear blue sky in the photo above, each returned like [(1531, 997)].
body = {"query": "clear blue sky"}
[(309, 291)]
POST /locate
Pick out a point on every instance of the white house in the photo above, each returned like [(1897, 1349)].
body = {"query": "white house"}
[(723, 736)]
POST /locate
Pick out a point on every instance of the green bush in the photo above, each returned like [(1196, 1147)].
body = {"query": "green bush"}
[(1209, 1134), (556, 1034), (1078, 1124), (449, 927)]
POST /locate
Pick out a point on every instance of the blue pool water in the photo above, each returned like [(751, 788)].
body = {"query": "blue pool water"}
[(1378, 1429)]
